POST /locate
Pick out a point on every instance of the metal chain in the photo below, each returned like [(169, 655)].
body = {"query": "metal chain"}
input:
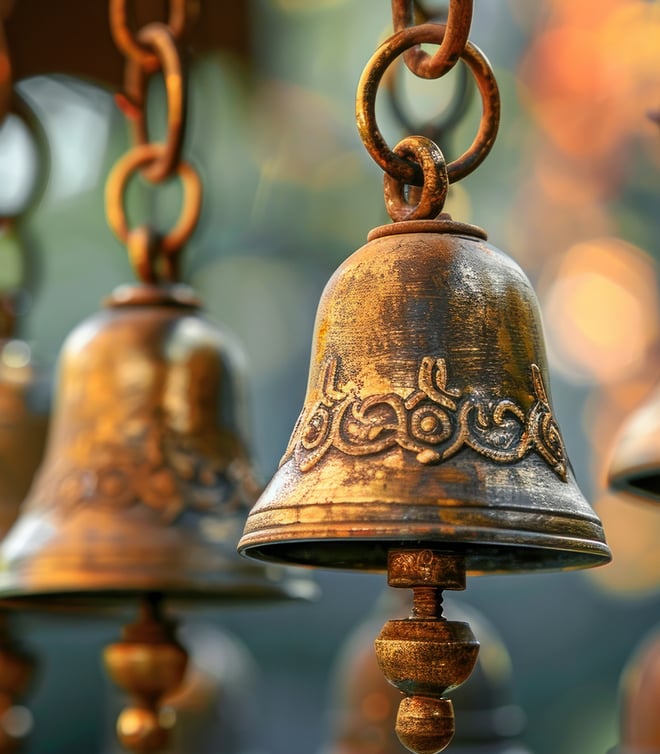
[(459, 20), (440, 127), (153, 49)]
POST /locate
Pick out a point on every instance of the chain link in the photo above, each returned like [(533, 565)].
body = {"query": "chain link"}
[(153, 49), (398, 167), (459, 20)]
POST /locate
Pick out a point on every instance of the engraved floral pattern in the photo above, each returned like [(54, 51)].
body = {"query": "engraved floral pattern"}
[(434, 421)]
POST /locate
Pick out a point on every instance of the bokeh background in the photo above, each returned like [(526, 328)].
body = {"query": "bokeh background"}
[(571, 191)]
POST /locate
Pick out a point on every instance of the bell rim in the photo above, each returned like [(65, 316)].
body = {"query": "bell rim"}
[(69, 596), (488, 549)]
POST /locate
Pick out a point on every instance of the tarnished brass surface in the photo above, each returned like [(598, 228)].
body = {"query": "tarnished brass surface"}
[(146, 480), (24, 412), (427, 419), (73, 36), (426, 655), (635, 463)]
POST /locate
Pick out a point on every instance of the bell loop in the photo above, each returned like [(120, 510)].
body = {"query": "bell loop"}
[(398, 167), (428, 202)]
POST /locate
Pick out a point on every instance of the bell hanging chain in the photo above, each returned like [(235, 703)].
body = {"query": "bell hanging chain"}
[(153, 49), (404, 164), (459, 20), (440, 127)]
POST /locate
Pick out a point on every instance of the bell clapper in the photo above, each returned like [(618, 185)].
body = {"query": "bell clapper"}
[(148, 663), (426, 655)]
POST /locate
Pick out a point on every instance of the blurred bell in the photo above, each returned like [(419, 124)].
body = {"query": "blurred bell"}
[(427, 418), (146, 480), (640, 700), (24, 410), (635, 463), (365, 704)]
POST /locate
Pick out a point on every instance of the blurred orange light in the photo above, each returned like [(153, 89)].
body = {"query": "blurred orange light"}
[(601, 310)]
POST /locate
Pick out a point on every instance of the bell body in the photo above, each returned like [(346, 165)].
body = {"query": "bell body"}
[(635, 462), (146, 481), (24, 412), (427, 418)]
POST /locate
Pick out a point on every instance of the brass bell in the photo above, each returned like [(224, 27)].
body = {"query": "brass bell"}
[(146, 480), (635, 462), (427, 419), (427, 446)]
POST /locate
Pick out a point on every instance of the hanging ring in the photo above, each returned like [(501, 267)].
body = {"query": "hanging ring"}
[(115, 192), (158, 37), (430, 199), (403, 170), (129, 45), (459, 20)]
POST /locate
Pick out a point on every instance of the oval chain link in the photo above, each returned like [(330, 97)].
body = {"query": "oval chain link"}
[(459, 20), (179, 18), (115, 197), (159, 38), (398, 167)]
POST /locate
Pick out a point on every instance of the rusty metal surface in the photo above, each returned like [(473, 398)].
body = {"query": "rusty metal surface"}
[(365, 706), (426, 655), (420, 62), (635, 463), (74, 37), (393, 47), (427, 419), (146, 481)]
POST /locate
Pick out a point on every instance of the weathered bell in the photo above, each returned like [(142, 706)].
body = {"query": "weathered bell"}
[(635, 462), (146, 480), (427, 420)]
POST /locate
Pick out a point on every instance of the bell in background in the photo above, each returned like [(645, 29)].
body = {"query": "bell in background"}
[(146, 479), (640, 700), (364, 705), (635, 462)]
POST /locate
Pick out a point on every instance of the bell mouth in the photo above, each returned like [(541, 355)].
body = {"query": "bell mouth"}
[(481, 559), (641, 483)]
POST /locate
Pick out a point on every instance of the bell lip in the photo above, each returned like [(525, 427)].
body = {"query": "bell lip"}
[(487, 550), (67, 597), (146, 294), (442, 224)]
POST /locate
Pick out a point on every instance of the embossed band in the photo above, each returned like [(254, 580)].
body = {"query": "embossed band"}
[(433, 421)]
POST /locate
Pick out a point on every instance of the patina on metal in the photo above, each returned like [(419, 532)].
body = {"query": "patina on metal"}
[(427, 445), (635, 463)]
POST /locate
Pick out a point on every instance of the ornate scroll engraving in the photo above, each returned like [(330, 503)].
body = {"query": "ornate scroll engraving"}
[(434, 421)]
